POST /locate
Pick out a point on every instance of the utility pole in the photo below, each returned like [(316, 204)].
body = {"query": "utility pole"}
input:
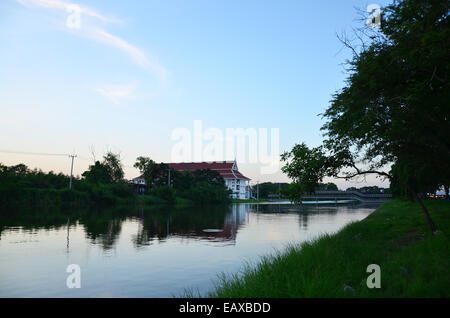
[(71, 171)]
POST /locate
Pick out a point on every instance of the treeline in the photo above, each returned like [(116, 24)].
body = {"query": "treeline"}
[(103, 184), (21, 187), (370, 190)]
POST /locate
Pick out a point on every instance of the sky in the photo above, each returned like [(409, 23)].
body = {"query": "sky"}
[(86, 77)]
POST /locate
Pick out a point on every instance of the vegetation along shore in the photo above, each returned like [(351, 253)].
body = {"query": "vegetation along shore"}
[(413, 261)]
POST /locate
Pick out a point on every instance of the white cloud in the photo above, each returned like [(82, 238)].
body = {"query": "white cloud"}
[(114, 93), (117, 93), (62, 5), (139, 56)]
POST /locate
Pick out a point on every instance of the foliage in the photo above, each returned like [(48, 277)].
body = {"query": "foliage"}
[(114, 166), (98, 173), (370, 190), (200, 186), (393, 109), (21, 187), (154, 174), (269, 188), (307, 168), (329, 186), (163, 192)]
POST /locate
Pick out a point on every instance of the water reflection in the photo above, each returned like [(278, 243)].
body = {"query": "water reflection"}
[(218, 223), (156, 225), (142, 252)]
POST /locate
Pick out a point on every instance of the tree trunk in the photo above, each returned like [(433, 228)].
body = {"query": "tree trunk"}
[(424, 210)]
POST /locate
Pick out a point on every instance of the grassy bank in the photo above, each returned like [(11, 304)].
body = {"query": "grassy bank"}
[(413, 262)]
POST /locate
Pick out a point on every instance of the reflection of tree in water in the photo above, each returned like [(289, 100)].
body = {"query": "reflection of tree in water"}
[(108, 235), (186, 223), (151, 227), (32, 220), (103, 227)]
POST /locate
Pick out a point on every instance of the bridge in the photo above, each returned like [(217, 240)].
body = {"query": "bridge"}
[(347, 195)]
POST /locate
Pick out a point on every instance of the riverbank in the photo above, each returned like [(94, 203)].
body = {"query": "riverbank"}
[(413, 262)]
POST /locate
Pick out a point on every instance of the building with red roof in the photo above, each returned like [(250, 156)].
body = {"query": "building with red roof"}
[(234, 180)]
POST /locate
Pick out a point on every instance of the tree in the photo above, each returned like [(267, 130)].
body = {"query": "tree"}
[(114, 166), (269, 188), (154, 174), (307, 168), (98, 173), (393, 109), (329, 186), (143, 163)]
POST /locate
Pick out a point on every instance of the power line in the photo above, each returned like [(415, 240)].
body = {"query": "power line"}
[(34, 153), (72, 156)]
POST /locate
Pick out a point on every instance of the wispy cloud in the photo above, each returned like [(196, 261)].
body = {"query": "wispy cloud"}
[(117, 93), (66, 6), (139, 56)]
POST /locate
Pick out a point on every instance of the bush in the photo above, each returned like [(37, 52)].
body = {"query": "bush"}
[(163, 192), (202, 193)]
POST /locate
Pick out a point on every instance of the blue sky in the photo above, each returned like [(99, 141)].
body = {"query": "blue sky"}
[(136, 70)]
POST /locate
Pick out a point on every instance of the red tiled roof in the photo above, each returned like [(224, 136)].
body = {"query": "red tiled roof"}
[(221, 165), (225, 168)]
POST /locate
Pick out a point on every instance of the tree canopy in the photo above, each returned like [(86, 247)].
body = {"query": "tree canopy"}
[(393, 110)]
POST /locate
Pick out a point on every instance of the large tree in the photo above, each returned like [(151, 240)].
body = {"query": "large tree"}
[(114, 165), (108, 171), (155, 174), (394, 108)]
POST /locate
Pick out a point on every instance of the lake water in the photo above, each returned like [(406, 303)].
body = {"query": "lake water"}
[(151, 252)]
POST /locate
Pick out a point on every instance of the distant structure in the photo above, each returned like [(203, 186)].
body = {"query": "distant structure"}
[(347, 195), (234, 180)]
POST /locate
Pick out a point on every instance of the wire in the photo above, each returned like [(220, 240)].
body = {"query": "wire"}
[(34, 153), (51, 154)]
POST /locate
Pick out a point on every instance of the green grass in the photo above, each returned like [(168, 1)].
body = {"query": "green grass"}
[(413, 262)]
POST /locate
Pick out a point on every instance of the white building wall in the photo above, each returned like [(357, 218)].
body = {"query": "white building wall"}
[(238, 187)]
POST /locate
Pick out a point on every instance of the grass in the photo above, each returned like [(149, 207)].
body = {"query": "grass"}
[(413, 262)]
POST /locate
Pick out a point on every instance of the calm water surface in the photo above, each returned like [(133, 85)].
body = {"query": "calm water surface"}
[(151, 253)]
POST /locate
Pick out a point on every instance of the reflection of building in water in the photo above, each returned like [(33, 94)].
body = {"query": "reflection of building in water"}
[(236, 216), (234, 219), (209, 225)]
